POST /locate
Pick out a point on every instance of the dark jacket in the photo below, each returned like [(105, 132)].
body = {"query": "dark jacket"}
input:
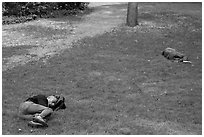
[(39, 99), (42, 100)]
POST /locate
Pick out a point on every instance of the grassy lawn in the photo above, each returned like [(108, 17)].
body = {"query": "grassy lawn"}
[(118, 82)]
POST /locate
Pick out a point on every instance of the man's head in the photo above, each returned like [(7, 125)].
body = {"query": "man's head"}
[(52, 100), (56, 102)]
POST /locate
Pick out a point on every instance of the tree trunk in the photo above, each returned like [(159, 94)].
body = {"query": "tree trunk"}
[(132, 14)]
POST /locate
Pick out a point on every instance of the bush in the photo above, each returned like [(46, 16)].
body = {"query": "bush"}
[(14, 19), (18, 12), (39, 8)]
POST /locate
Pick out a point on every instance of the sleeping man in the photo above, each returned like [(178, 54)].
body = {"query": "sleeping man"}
[(38, 108)]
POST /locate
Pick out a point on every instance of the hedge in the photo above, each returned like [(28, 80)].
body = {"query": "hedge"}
[(39, 8)]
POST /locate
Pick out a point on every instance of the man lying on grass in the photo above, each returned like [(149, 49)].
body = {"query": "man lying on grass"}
[(38, 108)]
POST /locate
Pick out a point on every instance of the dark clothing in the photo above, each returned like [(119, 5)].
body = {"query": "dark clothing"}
[(60, 104), (42, 100), (39, 99)]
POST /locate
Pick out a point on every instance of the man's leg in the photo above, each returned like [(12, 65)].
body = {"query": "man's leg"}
[(41, 110), (23, 113), (40, 113), (28, 109)]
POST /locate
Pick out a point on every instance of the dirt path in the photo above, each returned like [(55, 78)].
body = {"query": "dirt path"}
[(44, 38)]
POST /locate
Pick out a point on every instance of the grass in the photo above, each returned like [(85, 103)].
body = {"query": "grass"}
[(118, 82), (8, 52)]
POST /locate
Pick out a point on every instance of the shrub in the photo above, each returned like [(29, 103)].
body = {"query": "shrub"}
[(17, 12), (39, 8)]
